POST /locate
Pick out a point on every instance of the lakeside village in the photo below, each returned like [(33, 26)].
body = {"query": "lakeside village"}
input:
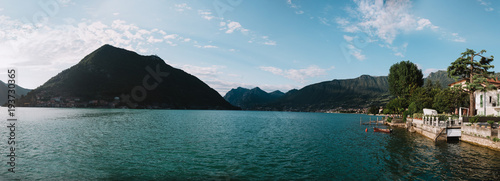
[(470, 107), (43, 99)]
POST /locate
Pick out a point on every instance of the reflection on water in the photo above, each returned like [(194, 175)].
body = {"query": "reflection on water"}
[(115, 144), (416, 157)]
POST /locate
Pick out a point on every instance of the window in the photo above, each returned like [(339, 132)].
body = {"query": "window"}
[(481, 101), (490, 99)]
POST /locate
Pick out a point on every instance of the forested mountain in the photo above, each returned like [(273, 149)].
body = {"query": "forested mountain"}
[(251, 98), (115, 77)]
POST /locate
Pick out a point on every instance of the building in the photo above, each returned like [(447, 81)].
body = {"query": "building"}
[(487, 103)]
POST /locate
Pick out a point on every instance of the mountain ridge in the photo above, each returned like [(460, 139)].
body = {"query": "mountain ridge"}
[(116, 77)]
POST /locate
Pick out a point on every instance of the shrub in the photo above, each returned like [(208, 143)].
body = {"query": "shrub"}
[(495, 139), (389, 119), (442, 117), (418, 115), (473, 119), (490, 122), (405, 114), (488, 137)]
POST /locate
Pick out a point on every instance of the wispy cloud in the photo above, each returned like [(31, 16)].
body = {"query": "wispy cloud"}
[(486, 4), (384, 20), (294, 6), (299, 75), (232, 26), (182, 7), (372, 21), (206, 14)]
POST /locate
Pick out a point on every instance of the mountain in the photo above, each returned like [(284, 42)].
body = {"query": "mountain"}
[(20, 91), (115, 77), (440, 76), (347, 93), (251, 98)]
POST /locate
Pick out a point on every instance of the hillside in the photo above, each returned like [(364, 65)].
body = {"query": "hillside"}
[(440, 76), (115, 77), (20, 91), (251, 98), (347, 93)]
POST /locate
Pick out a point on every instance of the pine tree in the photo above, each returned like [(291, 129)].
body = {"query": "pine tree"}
[(474, 72)]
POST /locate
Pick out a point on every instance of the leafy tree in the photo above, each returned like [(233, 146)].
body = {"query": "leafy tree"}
[(423, 97), (412, 108), (373, 110), (475, 73), (396, 106), (403, 78)]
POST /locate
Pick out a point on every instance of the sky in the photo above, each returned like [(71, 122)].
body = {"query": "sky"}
[(272, 44)]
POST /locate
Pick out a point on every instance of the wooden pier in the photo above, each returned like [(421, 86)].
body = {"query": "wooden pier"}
[(371, 122)]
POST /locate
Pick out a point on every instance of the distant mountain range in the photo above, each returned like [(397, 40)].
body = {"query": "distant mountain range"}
[(348, 93), (360, 92), (115, 77), (251, 98), (20, 91)]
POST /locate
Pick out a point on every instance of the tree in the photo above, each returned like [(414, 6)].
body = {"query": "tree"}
[(373, 110), (474, 72), (404, 77), (396, 106), (449, 99), (423, 97)]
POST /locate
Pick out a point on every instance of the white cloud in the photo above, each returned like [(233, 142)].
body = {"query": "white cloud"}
[(206, 15), (323, 21), (486, 4), (299, 12), (234, 26), (399, 54), (211, 75), (170, 43), (46, 50), (116, 14), (358, 55), (210, 46), (172, 36), (299, 75), (354, 51), (202, 72), (423, 23), (270, 42), (152, 39), (187, 39), (456, 38), (182, 7), (348, 38), (384, 20), (291, 4)]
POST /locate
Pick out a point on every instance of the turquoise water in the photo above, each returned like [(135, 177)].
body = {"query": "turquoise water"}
[(114, 144)]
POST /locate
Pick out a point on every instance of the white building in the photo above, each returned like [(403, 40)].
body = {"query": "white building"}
[(487, 103)]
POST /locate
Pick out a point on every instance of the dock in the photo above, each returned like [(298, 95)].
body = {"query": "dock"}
[(435, 129), (376, 122)]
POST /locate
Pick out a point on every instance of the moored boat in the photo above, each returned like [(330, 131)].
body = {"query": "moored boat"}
[(382, 130)]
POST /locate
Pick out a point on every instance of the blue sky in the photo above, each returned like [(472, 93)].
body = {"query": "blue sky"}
[(273, 44)]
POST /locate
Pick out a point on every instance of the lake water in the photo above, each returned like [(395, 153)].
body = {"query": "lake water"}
[(120, 144)]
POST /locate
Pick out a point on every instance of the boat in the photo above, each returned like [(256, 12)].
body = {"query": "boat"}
[(382, 130)]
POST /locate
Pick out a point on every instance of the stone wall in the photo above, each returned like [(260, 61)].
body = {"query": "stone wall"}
[(479, 131), (427, 130), (480, 141)]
